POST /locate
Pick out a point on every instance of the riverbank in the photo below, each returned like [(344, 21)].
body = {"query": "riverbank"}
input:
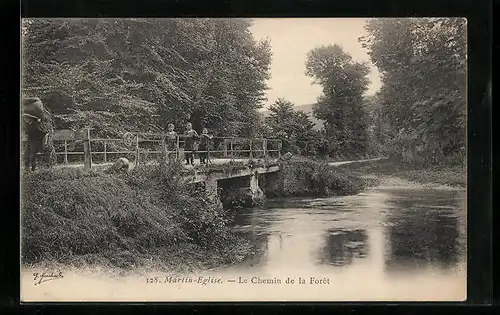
[(455, 176), (302, 177), (388, 236), (146, 219)]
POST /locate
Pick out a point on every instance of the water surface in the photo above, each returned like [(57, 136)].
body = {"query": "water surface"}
[(393, 243), (387, 244)]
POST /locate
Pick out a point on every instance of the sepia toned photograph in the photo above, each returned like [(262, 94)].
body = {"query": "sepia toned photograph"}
[(243, 159)]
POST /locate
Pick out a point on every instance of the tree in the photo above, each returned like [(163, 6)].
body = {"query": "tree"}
[(423, 97), (120, 75), (293, 127), (341, 105), (377, 125)]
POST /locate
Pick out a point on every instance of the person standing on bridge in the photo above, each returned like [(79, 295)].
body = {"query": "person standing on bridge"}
[(190, 136), (203, 146), (171, 139)]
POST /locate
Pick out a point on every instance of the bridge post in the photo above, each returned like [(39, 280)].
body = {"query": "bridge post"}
[(87, 151), (105, 151), (250, 145), (211, 186), (264, 148), (232, 152), (257, 193), (137, 150), (273, 184), (212, 189), (65, 151), (164, 149)]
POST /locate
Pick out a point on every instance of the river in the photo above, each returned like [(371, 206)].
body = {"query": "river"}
[(402, 243), (390, 243)]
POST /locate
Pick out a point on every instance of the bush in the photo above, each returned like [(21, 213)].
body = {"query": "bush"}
[(312, 178), (73, 215)]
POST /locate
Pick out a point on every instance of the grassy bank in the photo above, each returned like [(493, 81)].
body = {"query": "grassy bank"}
[(146, 218), (442, 175), (149, 218), (305, 177)]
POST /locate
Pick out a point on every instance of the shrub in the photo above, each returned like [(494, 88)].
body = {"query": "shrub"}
[(71, 214), (312, 178)]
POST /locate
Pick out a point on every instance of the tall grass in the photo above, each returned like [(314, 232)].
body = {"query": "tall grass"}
[(451, 175), (303, 177), (71, 215)]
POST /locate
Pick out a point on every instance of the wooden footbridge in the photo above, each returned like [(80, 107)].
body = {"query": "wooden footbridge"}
[(78, 148), (231, 162)]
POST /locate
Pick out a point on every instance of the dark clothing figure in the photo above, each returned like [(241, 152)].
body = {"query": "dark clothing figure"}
[(171, 142), (36, 129), (34, 145), (204, 146), (190, 137)]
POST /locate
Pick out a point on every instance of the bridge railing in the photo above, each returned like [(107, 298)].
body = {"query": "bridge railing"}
[(79, 147)]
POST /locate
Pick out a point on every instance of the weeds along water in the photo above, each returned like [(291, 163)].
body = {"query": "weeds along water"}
[(150, 216), (83, 217)]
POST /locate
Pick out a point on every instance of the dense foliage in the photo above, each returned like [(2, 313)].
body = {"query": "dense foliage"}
[(119, 75), (304, 177), (377, 126), (295, 129), (341, 105), (71, 215), (423, 96)]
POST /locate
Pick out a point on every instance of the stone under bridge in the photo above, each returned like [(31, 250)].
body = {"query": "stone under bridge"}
[(246, 184)]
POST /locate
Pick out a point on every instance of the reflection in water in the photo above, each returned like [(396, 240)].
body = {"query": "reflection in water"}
[(356, 243), (418, 231), (341, 247), (423, 229), (261, 243), (253, 228)]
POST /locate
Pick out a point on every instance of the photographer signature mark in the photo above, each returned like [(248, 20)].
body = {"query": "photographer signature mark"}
[(40, 278)]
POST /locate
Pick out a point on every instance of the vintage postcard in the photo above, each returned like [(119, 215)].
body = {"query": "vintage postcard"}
[(238, 159)]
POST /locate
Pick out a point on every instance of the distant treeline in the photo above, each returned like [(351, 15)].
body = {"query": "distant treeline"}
[(120, 75), (419, 114)]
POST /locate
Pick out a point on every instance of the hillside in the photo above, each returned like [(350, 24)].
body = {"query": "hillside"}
[(306, 109)]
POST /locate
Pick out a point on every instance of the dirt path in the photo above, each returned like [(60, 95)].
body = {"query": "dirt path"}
[(355, 161), (391, 181)]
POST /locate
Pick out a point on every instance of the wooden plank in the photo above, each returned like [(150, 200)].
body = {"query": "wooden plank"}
[(72, 153), (177, 149), (87, 157), (137, 161), (105, 153), (65, 152), (106, 139), (232, 152), (264, 148)]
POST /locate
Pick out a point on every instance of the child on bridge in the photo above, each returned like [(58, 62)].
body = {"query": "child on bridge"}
[(171, 140), (190, 136), (203, 146)]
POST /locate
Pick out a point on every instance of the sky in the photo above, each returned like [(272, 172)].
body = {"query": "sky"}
[(292, 38)]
